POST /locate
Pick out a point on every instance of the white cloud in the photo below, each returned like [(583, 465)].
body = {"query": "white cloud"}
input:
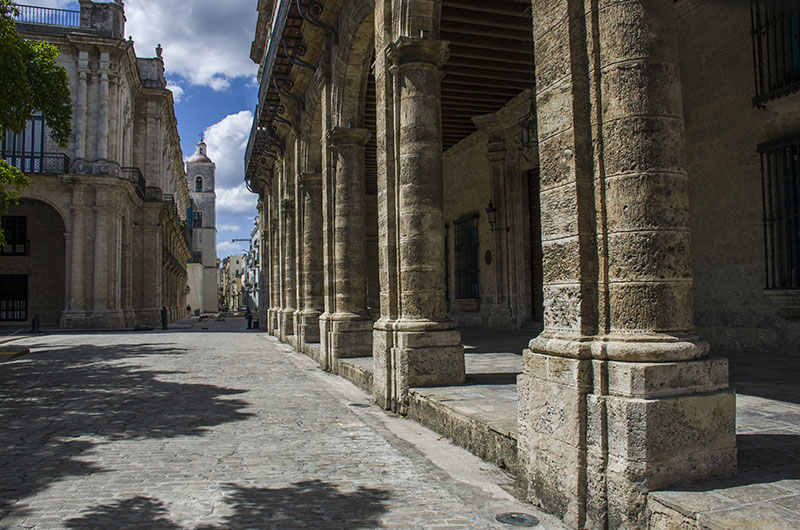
[(206, 42), (177, 91), (228, 227), (233, 201), (227, 141), (226, 248)]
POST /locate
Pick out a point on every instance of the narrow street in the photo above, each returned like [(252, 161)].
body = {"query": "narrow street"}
[(219, 428)]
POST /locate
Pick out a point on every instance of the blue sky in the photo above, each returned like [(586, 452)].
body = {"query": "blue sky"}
[(208, 68)]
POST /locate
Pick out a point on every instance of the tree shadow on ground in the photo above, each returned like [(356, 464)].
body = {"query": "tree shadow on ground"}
[(51, 402), (308, 504)]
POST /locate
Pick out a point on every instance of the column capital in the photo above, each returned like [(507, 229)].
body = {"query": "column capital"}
[(410, 50), (310, 179), (347, 136)]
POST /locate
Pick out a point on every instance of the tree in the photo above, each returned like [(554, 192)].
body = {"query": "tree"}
[(30, 82)]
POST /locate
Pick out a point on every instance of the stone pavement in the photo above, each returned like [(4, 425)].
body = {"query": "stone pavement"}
[(219, 428), (765, 493)]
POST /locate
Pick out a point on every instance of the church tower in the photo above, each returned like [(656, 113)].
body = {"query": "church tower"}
[(202, 282)]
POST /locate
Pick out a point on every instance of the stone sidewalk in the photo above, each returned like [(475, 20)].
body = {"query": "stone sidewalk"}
[(220, 428)]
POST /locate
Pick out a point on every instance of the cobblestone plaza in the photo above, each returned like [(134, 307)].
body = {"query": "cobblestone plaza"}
[(227, 429)]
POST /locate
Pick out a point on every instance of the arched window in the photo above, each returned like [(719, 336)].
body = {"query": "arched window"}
[(198, 184)]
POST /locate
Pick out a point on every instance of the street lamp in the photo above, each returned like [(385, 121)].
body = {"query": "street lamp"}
[(491, 216)]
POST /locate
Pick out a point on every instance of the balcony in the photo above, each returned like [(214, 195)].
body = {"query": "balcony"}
[(134, 175), (45, 163), (48, 16)]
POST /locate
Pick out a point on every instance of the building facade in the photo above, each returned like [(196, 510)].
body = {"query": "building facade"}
[(202, 269), (97, 240), (232, 282), (610, 181)]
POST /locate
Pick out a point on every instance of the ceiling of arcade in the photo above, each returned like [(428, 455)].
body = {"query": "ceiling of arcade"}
[(491, 62)]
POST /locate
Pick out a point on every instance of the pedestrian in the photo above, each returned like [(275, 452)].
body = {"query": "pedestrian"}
[(249, 316), (163, 317)]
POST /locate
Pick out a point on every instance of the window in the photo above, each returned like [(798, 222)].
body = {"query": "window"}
[(13, 297), (197, 257), (25, 150), (775, 26), (197, 219), (198, 184), (780, 184), (15, 230), (466, 257)]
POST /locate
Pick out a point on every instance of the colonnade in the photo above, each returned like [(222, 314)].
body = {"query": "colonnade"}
[(617, 397)]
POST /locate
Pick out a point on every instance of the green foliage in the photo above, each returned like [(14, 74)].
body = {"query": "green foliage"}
[(30, 81)]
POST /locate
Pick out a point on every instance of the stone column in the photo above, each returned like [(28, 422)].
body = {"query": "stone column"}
[(102, 108), (288, 284), (275, 266), (75, 316), (313, 303), (427, 346), (80, 105), (350, 324), (616, 398)]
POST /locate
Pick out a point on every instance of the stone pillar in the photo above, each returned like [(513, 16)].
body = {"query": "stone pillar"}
[(425, 345), (616, 398), (288, 284), (313, 303), (350, 323), (75, 315), (80, 105), (102, 108)]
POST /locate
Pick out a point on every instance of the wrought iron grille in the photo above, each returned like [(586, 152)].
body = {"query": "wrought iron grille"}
[(134, 174), (48, 163), (466, 257), (16, 233), (48, 15), (775, 26), (780, 182), (13, 297)]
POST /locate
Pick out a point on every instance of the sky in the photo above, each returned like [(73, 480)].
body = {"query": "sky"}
[(206, 50)]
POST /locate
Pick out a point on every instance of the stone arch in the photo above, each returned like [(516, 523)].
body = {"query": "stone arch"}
[(36, 268), (352, 63), (61, 207)]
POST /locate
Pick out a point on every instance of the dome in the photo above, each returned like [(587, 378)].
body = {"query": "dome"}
[(197, 157), (200, 154)]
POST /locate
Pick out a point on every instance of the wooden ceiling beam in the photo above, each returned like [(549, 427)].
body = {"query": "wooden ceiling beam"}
[(477, 28), (489, 43), (467, 52), (454, 14), (499, 67), (499, 7)]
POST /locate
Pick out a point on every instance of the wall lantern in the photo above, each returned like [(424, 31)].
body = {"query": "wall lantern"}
[(527, 125), (491, 216)]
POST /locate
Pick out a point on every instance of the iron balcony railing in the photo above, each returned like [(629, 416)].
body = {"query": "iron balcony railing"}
[(48, 15), (168, 197), (775, 27), (134, 175), (780, 185), (50, 163)]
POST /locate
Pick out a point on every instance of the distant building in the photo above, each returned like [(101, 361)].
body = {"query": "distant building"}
[(97, 240), (231, 279), (202, 268), (252, 264)]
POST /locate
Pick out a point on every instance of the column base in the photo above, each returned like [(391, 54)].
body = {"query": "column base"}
[(597, 435), (350, 335), (272, 321), (148, 317), (285, 324), (414, 353), (309, 326)]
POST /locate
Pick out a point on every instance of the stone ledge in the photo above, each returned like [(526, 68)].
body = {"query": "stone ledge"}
[(471, 433), (357, 370)]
